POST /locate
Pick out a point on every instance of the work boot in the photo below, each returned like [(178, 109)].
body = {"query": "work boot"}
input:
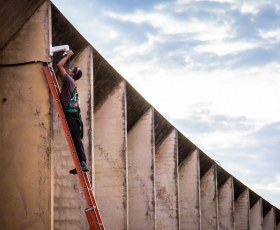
[(73, 171), (84, 168)]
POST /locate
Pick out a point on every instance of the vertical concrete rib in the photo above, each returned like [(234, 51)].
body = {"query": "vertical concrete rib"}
[(242, 211), (209, 200), (189, 192), (86, 95), (141, 173), (269, 222), (110, 146), (69, 202), (256, 216), (166, 179), (226, 205), (25, 127)]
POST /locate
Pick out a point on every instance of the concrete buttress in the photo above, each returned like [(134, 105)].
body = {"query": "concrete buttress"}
[(166, 179), (256, 216), (25, 127), (226, 205), (189, 192), (141, 173), (242, 211), (269, 222), (111, 158), (209, 200), (69, 201)]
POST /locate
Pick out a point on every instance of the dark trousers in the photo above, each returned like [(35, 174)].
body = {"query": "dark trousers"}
[(74, 124)]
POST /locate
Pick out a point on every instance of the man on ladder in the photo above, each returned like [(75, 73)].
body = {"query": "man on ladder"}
[(71, 107)]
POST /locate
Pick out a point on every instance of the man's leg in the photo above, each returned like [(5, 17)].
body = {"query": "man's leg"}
[(74, 128)]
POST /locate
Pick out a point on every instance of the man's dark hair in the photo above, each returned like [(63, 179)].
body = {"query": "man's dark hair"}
[(78, 73)]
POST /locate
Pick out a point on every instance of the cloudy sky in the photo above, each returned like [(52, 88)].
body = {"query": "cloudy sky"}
[(212, 68)]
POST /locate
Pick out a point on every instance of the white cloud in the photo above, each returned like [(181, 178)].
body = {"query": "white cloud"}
[(273, 187), (197, 29), (220, 47), (247, 6), (253, 6), (113, 34), (269, 191), (273, 36), (251, 93), (131, 49), (221, 1), (223, 140)]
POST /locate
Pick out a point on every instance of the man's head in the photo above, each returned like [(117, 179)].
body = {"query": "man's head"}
[(75, 73)]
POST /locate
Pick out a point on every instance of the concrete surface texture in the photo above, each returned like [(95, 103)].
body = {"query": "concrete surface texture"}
[(189, 193), (166, 179), (209, 200), (144, 172), (269, 220), (242, 211), (141, 173), (110, 158), (256, 216), (226, 205), (25, 128)]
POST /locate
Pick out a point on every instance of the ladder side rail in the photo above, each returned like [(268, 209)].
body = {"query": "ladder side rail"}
[(96, 210), (55, 82), (52, 83)]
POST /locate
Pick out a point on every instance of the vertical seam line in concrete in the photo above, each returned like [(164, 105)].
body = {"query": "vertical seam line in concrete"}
[(198, 185), (153, 162), (91, 134), (51, 120), (177, 172)]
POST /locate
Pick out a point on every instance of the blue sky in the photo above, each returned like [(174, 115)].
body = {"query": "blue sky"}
[(210, 67)]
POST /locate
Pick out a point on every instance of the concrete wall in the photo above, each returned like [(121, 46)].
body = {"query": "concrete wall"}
[(136, 185), (256, 216), (226, 205), (242, 211), (69, 202), (189, 192), (25, 128), (209, 200), (269, 222), (166, 171), (111, 159), (141, 173)]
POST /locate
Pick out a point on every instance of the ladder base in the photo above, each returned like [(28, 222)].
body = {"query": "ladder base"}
[(92, 224)]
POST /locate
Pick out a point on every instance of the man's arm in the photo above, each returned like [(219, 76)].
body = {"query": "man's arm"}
[(61, 63)]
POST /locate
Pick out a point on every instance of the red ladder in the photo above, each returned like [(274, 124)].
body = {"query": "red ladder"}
[(92, 212)]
